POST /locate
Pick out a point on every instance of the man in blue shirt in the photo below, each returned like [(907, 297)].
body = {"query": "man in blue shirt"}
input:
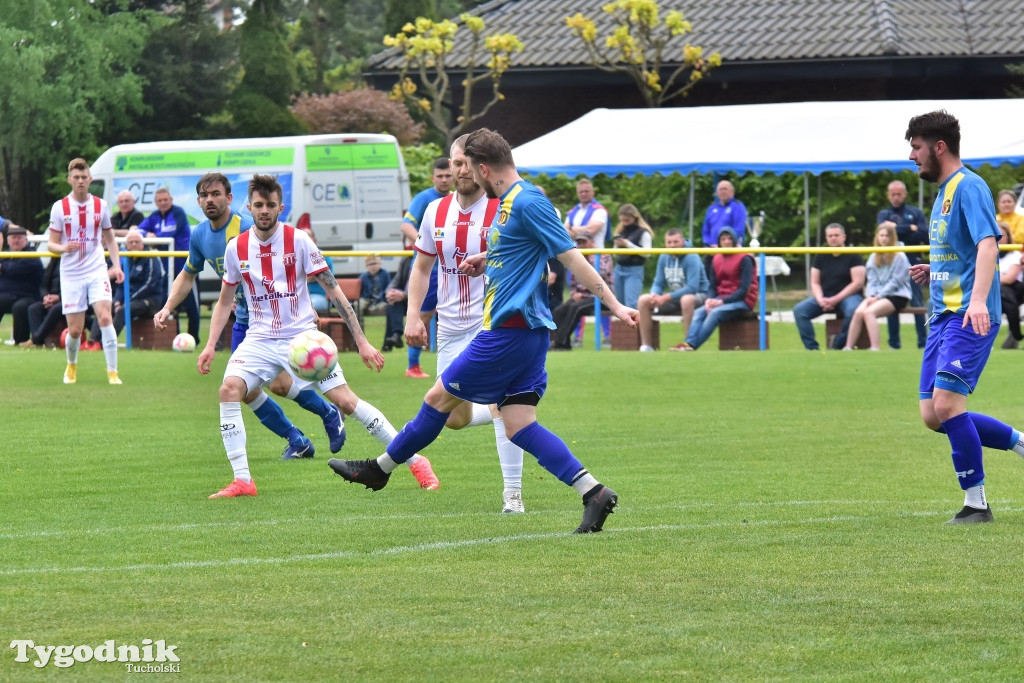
[(171, 221), (504, 363), (725, 211), (966, 310), (442, 185)]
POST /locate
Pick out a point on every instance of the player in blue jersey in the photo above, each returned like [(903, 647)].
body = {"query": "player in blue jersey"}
[(207, 245), (441, 177), (966, 310), (504, 363)]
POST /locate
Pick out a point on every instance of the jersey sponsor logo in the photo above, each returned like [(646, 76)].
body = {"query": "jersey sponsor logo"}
[(316, 258), (439, 233), (243, 266), (268, 284), (273, 296)]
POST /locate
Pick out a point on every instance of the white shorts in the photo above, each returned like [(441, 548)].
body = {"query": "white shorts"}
[(258, 361), (448, 348), (76, 294)]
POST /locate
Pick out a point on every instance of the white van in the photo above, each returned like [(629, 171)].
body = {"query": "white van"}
[(351, 189)]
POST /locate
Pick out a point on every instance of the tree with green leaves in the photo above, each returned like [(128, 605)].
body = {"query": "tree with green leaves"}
[(259, 104), (637, 47), (69, 80), (426, 46), (398, 13)]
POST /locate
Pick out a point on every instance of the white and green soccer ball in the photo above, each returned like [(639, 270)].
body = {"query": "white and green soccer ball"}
[(312, 355)]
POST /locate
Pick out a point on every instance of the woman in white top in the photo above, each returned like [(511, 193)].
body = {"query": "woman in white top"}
[(1011, 287), (887, 290)]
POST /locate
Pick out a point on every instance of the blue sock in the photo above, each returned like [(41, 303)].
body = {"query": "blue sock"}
[(314, 403), (414, 355), (550, 451), (993, 433), (273, 418), (963, 437), (417, 434)]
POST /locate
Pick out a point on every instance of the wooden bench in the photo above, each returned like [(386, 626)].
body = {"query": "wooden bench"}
[(336, 329), (146, 337), (742, 334), (834, 325)]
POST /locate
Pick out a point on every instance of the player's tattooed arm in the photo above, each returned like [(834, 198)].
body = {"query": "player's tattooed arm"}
[(345, 311)]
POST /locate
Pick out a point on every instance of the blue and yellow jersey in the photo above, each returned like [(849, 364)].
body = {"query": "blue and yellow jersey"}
[(418, 206), (207, 246), (962, 216), (524, 236)]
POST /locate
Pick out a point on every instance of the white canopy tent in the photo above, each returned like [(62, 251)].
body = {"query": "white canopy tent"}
[(799, 137)]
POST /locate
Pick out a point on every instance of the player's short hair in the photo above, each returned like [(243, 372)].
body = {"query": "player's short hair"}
[(484, 146), (78, 164), (460, 142), (441, 164), (935, 126), (265, 186), (212, 178)]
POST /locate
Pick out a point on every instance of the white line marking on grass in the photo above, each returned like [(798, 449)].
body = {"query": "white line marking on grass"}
[(446, 545)]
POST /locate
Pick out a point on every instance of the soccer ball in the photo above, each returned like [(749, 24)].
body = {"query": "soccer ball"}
[(184, 342), (312, 355), (64, 338)]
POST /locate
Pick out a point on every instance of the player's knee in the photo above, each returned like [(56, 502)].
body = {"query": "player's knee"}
[(230, 392), (281, 384), (344, 398)]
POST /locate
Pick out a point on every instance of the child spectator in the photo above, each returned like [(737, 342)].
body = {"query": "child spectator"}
[(374, 286)]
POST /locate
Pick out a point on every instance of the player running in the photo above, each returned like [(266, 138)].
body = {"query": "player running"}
[(79, 229)]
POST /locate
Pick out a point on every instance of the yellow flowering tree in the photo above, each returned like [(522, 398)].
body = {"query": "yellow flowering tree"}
[(427, 45), (637, 47)]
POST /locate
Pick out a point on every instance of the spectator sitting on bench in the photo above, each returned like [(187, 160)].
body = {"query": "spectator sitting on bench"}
[(147, 285), (581, 302), (373, 287), (887, 289), (836, 282), (732, 291), (687, 283)]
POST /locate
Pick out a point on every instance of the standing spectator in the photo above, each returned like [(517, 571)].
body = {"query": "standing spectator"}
[(911, 231), (170, 220), (887, 290), (965, 307), (680, 287), (442, 185), (79, 229), (147, 285), (732, 291), (632, 233), (20, 280), (725, 211), (45, 315), (588, 218), (396, 295), (373, 287), (1011, 288), (1006, 205), (836, 283), (504, 362), (127, 215), (581, 300)]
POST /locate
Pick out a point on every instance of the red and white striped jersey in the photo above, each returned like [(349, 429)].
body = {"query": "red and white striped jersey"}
[(84, 224), (273, 276), (452, 233)]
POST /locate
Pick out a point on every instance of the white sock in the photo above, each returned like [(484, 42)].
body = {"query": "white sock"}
[(71, 347), (374, 422), (481, 416), (1018, 447), (510, 456), (386, 463), (232, 432), (293, 391), (975, 497), (584, 481), (260, 399), (109, 336)]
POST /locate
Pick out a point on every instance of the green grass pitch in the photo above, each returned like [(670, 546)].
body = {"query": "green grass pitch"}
[(780, 519)]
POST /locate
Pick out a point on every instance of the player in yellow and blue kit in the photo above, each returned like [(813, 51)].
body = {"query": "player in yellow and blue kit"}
[(208, 243), (504, 363), (966, 310)]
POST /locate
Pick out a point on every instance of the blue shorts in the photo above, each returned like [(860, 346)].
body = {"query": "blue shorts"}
[(430, 300), (499, 363), (954, 356), (238, 331)]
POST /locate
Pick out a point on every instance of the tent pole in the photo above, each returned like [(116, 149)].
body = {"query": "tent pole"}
[(691, 207), (807, 230)]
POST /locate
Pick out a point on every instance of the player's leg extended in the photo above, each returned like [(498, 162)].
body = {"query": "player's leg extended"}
[(109, 336), (309, 399), (510, 457)]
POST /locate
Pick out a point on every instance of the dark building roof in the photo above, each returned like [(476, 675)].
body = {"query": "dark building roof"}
[(760, 30)]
